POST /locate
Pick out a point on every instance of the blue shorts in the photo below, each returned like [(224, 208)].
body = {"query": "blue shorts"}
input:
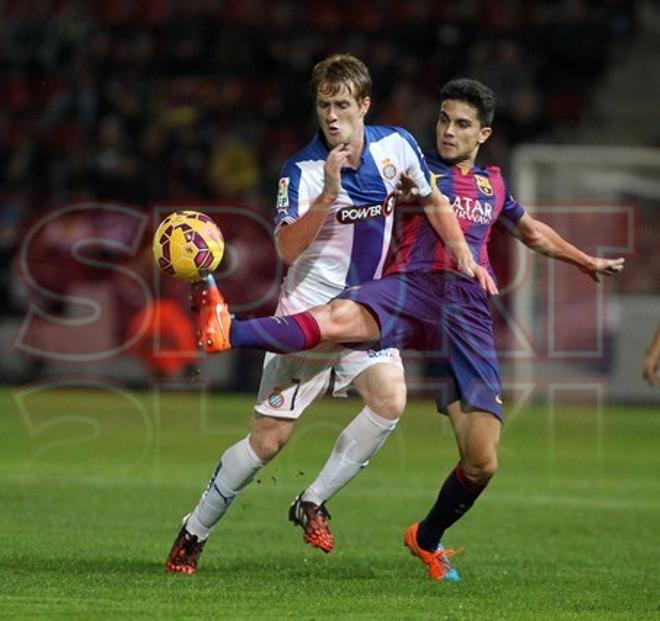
[(448, 318)]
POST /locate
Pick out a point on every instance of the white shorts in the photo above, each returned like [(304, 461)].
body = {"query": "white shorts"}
[(290, 382)]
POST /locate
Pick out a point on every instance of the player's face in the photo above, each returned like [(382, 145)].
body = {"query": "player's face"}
[(341, 116), (458, 133)]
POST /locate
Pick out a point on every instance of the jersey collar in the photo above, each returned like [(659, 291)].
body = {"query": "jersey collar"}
[(463, 169)]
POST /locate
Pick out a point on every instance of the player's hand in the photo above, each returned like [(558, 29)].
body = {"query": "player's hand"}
[(485, 280), (651, 369), (651, 364), (599, 267), (337, 158), (406, 190), (466, 265)]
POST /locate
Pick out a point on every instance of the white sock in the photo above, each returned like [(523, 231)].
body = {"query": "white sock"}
[(236, 468), (356, 445)]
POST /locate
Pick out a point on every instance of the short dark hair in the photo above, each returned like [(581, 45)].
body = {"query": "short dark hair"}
[(475, 93), (342, 69)]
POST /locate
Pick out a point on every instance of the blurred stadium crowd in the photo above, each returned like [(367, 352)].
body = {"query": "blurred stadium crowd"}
[(146, 101), (143, 100)]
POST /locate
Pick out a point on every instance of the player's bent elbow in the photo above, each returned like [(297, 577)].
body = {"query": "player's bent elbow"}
[(285, 255), (534, 239), (286, 250)]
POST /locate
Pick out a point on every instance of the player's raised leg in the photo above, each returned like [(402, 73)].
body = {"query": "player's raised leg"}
[(383, 390), (339, 321)]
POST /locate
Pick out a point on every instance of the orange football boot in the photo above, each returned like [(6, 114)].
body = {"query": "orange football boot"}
[(437, 563), (212, 318)]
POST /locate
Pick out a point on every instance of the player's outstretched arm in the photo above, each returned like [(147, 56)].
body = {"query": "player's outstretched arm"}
[(651, 364), (445, 223), (545, 240)]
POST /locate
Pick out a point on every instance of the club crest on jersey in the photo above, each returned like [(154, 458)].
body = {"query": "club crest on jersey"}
[(283, 193), (389, 170), (276, 398), (483, 183)]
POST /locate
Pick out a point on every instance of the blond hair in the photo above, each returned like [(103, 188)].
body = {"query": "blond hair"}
[(338, 70)]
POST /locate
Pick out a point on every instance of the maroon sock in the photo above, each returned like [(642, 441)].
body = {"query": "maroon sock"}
[(277, 334), (456, 496)]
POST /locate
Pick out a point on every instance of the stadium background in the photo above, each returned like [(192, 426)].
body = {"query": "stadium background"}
[(152, 105)]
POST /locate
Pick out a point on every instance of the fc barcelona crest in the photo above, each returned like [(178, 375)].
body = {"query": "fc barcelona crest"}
[(483, 183)]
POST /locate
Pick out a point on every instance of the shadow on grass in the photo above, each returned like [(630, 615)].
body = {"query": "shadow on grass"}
[(292, 568)]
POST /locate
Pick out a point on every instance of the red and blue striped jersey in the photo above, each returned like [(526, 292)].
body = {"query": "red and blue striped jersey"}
[(479, 196)]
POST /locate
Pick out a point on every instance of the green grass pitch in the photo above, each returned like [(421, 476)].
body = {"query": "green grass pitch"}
[(94, 481)]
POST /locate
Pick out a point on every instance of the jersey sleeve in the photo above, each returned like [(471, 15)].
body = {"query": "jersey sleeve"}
[(415, 164), (512, 210), (288, 196)]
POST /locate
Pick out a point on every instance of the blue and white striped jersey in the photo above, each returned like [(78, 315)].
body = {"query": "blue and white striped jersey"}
[(353, 242)]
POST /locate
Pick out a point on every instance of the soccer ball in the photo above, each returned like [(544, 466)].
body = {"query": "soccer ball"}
[(188, 245)]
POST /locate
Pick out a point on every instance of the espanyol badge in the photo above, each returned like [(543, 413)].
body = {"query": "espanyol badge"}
[(483, 183), (276, 398), (389, 170)]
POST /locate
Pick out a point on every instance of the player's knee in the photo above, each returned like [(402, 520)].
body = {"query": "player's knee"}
[(480, 469), (389, 401), (334, 320), (488, 470), (266, 446), (267, 438)]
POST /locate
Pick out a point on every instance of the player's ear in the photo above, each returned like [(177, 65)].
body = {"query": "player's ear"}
[(484, 134), (365, 104)]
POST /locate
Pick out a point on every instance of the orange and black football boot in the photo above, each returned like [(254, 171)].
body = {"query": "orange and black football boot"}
[(185, 553), (314, 521)]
